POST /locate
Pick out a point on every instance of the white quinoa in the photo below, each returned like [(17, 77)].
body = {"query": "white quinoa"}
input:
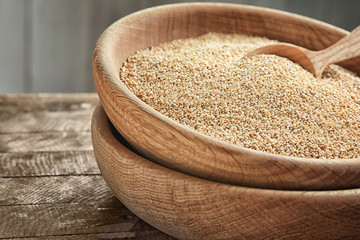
[(263, 102)]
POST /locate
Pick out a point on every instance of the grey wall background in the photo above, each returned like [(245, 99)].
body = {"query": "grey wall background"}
[(47, 45)]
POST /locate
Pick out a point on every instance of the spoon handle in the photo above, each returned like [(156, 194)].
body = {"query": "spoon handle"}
[(346, 48)]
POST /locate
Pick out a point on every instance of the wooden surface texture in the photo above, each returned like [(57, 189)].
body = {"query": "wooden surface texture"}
[(50, 184)]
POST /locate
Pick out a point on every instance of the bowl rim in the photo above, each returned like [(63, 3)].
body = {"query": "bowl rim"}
[(101, 60)]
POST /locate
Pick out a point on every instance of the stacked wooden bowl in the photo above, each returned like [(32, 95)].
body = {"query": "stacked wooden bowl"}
[(192, 186)]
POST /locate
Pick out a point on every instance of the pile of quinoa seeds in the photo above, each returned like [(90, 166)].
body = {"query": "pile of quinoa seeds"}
[(263, 102)]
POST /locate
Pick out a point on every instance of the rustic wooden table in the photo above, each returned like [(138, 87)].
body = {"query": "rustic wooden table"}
[(50, 185)]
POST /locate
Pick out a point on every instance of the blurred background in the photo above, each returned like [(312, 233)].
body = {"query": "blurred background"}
[(47, 45)]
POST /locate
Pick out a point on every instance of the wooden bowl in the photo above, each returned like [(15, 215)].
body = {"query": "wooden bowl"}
[(176, 146), (188, 207)]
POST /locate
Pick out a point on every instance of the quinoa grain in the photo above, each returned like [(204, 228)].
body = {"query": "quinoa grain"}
[(262, 102)]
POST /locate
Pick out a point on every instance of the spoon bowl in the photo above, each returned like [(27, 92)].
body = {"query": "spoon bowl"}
[(295, 53), (315, 61)]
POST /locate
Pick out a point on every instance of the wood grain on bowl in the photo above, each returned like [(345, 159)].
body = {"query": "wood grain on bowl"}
[(178, 147), (188, 207)]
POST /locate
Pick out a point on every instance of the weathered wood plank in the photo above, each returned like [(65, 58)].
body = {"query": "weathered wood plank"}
[(91, 236), (73, 220), (47, 163), (140, 231), (63, 218), (46, 141), (60, 189), (45, 121), (44, 112), (13, 103), (72, 204), (50, 185), (145, 235), (65, 205)]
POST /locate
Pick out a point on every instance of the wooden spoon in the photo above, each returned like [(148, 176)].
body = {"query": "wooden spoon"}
[(316, 61)]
